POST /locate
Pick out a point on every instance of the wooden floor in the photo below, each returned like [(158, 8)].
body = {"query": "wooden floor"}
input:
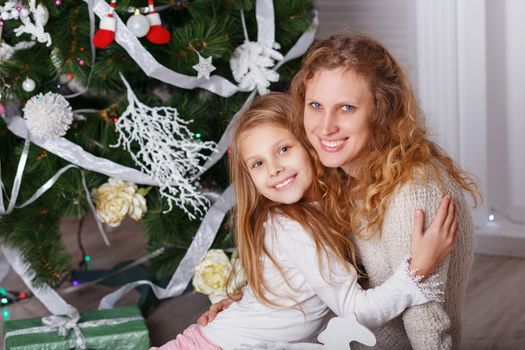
[(494, 314)]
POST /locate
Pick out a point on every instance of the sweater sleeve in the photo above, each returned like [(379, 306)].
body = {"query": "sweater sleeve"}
[(336, 284), (428, 325)]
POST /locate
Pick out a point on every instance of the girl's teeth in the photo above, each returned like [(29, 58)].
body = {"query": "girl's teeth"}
[(284, 183)]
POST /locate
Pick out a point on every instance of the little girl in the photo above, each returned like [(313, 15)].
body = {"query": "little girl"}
[(296, 260)]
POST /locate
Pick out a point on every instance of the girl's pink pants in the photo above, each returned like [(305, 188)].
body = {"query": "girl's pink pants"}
[(191, 339)]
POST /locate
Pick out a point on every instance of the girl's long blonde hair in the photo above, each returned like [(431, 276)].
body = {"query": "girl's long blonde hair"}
[(253, 209), (398, 149)]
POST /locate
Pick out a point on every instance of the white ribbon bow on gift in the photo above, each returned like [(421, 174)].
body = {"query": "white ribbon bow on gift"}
[(64, 325)]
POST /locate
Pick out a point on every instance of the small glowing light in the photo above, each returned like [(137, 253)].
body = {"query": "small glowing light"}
[(81, 49), (75, 283), (3, 291), (58, 2), (491, 217), (115, 120), (70, 75), (229, 151), (87, 258), (59, 86), (22, 295), (198, 135), (6, 314), (4, 300), (81, 62)]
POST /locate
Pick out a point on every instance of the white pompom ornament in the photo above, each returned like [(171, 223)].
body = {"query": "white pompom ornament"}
[(138, 24), (48, 116), (28, 85)]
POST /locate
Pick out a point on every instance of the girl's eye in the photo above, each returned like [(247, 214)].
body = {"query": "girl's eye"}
[(257, 164), (284, 149), (347, 107), (315, 105)]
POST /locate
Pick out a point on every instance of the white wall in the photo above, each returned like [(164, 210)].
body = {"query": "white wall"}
[(515, 98), (387, 20)]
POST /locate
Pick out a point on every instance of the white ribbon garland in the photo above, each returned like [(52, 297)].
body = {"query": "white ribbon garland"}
[(43, 189), (201, 243)]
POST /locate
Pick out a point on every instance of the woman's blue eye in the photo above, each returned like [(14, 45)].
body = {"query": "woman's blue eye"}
[(315, 105), (256, 164), (347, 107), (284, 149)]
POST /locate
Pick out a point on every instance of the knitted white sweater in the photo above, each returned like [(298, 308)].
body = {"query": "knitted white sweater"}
[(434, 325)]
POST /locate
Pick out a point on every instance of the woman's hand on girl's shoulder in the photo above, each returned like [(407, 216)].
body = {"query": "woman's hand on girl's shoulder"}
[(214, 309), (430, 247)]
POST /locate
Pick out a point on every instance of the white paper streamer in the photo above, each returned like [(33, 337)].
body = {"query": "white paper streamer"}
[(201, 243), (265, 16), (4, 267), (216, 84), (47, 295), (43, 189), (296, 51), (73, 153)]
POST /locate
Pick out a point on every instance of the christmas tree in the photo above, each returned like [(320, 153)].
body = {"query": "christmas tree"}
[(123, 109)]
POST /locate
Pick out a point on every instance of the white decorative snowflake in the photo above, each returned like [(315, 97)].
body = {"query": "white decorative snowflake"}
[(33, 19), (39, 14), (167, 151), (251, 65)]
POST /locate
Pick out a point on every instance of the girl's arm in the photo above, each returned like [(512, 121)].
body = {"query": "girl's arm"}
[(337, 285)]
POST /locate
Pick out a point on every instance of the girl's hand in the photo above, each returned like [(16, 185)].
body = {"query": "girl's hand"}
[(431, 247), (214, 309)]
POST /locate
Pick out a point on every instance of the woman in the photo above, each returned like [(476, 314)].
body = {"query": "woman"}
[(360, 115)]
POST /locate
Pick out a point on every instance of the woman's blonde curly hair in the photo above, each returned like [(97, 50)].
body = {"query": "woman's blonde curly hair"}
[(399, 149)]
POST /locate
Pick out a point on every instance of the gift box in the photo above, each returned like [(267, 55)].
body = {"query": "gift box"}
[(115, 329)]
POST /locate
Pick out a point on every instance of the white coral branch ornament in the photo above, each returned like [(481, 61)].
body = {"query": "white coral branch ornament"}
[(167, 151)]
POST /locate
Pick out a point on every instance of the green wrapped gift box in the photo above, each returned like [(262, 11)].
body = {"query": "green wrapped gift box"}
[(114, 329)]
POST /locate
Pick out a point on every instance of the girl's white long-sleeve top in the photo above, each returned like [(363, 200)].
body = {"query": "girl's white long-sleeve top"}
[(307, 291)]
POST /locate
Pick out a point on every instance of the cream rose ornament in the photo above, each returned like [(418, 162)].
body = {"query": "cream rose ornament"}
[(116, 199), (211, 275)]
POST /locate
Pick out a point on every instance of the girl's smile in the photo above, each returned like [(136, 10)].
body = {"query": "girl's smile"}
[(278, 165)]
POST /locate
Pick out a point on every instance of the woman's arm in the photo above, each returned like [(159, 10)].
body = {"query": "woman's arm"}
[(217, 307)]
